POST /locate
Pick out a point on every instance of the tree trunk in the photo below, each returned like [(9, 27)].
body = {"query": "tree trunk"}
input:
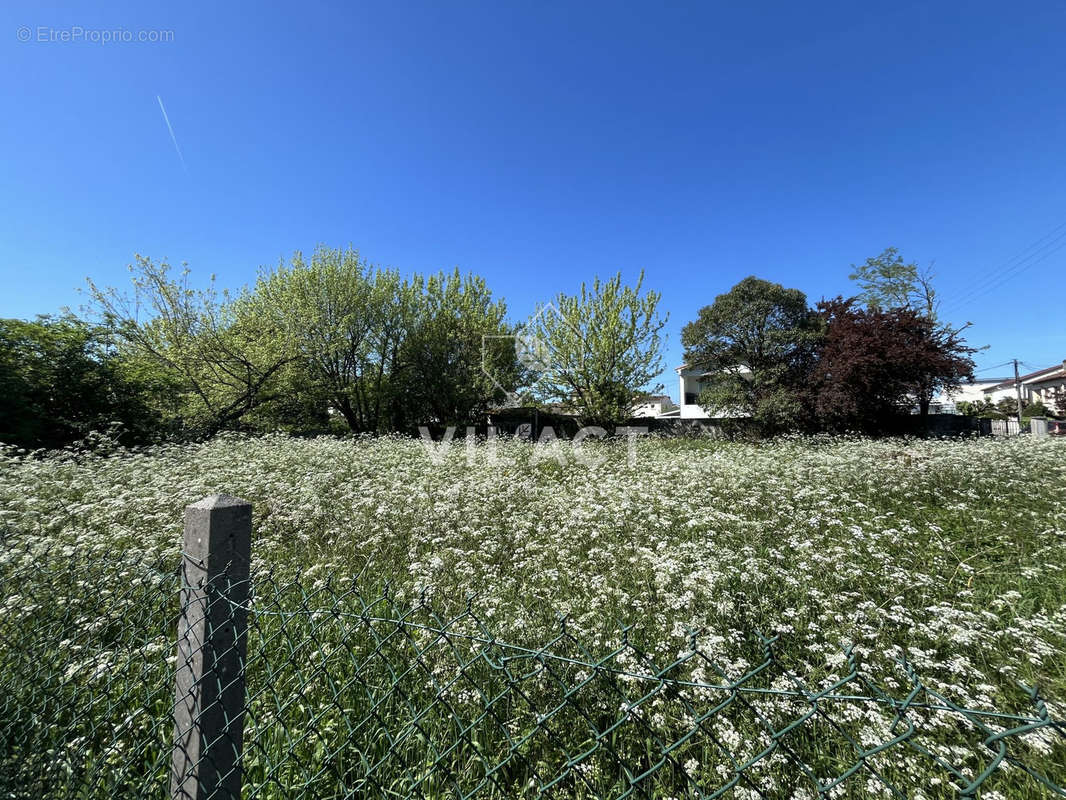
[(344, 406)]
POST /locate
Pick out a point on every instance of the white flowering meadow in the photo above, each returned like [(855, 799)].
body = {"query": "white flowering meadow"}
[(949, 556)]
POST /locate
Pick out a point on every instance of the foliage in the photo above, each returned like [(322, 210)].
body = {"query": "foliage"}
[(344, 323), (60, 380), (975, 408), (756, 343), (602, 348), (1035, 409), (873, 363), (887, 281), (222, 356), (384, 352), (316, 343), (459, 358), (1008, 406)]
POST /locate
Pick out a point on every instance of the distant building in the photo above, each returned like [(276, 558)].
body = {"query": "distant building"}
[(692, 382), (947, 402), (1045, 385), (654, 406)]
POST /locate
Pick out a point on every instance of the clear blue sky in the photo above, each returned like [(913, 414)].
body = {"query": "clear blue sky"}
[(540, 144)]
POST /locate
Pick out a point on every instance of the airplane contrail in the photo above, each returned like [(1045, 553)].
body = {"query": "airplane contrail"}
[(173, 138)]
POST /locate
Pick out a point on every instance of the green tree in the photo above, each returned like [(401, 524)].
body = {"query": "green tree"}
[(383, 352), (459, 356), (756, 344), (222, 357), (344, 322), (975, 408), (597, 350), (60, 379), (1009, 407), (887, 281)]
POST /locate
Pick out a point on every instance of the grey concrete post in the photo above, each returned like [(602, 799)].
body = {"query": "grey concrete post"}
[(212, 640), (1038, 426)]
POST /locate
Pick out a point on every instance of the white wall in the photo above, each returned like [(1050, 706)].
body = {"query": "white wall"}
[(946, 402), (971, 392), (648, 410), (688, 382)]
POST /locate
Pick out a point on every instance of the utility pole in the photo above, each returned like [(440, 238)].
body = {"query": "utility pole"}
[(1018, 393)]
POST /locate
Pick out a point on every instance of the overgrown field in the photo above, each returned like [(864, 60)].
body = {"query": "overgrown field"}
[(949, 556)]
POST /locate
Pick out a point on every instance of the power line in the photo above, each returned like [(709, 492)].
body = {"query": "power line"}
[(993, 272), (1034, 369), (1007, 277), (1037, 252), (994, 366)]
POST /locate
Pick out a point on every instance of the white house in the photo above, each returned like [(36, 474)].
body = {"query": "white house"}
[(1045, 385), (690, 386), (654, 406), (691, 383), (947, 402)]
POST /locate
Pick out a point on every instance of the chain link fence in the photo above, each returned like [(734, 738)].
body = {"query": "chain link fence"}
[(348, 692)]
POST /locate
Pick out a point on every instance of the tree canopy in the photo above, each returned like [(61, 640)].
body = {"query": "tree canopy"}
[(61, 379), (220, 355), (386, 352), (875, 363), (333, 342), (887, 281), (601, 348), (755, 342)]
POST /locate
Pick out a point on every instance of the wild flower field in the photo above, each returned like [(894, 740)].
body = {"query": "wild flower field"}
[(950, 555)]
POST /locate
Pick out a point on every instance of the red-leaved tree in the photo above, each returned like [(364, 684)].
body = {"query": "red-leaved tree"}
[(876, 363)]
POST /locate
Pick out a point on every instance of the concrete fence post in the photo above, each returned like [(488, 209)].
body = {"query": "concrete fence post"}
[(212, 640), (1038, 426)]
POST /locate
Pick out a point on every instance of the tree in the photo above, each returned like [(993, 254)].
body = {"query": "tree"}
[(343, 322), (755, 343), (223, 358), (1008, 406), (873, 363), (385, 352), (459, 355), (887, 281), (60, 379), (600, 348), (975, 408)]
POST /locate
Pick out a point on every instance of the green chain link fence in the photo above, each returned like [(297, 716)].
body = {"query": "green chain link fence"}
[(351, 693)]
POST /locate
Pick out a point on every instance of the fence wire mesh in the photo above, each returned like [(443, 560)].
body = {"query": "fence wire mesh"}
[(353, 693)]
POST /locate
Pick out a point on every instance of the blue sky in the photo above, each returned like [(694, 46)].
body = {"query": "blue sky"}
[(541, 144)]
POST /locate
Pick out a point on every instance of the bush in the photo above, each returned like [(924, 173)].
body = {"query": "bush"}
[(1037, 409)]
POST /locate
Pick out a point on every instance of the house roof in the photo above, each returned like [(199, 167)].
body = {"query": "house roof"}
[(653, 398), (1058, 370)]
